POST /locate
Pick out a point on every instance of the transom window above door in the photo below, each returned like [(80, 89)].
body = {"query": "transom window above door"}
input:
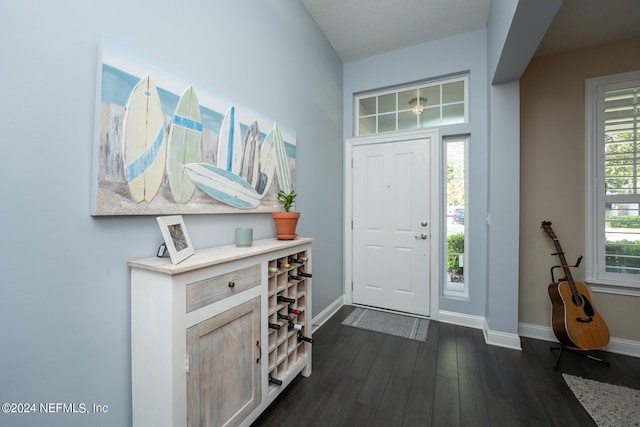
[(423, 105)]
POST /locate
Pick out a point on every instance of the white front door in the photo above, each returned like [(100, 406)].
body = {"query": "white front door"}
[(390, 237)]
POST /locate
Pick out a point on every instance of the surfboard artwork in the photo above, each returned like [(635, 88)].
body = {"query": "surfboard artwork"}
[(282, 162), (251, 159), (162, 149), (185, 140), (230, 144), (222, 185), (267, 163), (234, 190), (144, 148)]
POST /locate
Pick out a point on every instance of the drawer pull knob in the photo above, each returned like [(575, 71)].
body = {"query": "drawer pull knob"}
[(232, 284)]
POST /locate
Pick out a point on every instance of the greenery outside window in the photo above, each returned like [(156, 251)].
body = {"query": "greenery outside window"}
[(418, 106), (455, 160), (613, 183)]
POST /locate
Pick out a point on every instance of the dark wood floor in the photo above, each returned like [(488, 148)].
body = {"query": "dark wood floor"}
[(365, 378)]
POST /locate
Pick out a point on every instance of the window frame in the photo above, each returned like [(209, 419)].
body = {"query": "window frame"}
[(446, 292), (595, 238), (396, 90)]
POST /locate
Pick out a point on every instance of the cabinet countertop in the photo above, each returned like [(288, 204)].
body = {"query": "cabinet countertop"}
[(215, 255)]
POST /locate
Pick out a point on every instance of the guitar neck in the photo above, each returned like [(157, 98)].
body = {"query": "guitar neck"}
[(565, 267)]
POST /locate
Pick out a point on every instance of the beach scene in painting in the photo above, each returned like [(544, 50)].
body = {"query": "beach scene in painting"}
[(165, 145)]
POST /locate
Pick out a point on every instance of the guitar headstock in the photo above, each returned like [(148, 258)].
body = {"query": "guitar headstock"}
[(546, 226)]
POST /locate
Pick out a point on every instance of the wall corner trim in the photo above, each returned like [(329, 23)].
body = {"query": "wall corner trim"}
[(501, 339), (497, 338)]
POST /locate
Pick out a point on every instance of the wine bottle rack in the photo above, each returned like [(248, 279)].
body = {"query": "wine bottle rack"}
[(176, 309), (286, 353)]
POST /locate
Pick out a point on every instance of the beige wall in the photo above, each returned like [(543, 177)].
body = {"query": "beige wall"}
[(552, 177)]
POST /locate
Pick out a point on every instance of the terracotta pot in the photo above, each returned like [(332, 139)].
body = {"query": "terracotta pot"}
[(286, 223)]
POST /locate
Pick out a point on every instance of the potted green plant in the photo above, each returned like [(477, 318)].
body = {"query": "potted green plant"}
[(287, 220)]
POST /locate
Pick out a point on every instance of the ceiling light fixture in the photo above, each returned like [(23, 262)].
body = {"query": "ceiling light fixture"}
[(417, 105)]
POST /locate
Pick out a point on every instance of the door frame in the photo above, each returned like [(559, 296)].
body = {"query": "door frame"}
[(435, 165)]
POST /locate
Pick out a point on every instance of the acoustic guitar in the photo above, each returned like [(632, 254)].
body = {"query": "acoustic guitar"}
[(574, 319)]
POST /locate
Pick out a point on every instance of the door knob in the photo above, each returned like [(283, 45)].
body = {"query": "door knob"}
[(421, 237), (424, 223)]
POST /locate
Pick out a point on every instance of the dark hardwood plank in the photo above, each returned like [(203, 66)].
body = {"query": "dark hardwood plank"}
[(473, 407), (377, 377), (447, 358), (366, 356), (336, 406), (492, 383), (446, 405), (357, 414), (419, 407), (501, 412), (363, 378), (394, 401), (466, 348)]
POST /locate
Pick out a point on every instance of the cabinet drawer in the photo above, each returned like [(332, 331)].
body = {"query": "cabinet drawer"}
[(207, 291)]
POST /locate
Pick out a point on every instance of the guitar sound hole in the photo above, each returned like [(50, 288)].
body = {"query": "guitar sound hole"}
[(588, 308), (583, 302), (577, 300)]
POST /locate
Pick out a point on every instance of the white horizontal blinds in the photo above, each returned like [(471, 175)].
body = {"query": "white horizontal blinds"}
[(622, 157), (622, 180)]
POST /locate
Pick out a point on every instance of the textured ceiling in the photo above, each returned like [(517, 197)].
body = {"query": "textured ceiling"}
[(360, 28)]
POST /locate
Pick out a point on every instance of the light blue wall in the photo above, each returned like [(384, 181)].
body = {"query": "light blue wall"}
[(64, 293), (515, 29), (454, 55)]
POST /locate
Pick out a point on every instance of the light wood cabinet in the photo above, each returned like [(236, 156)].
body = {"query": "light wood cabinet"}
[(223, 377), (202, 352)]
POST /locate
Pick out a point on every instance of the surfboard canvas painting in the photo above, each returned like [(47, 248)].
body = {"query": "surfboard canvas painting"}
[(166, 145)]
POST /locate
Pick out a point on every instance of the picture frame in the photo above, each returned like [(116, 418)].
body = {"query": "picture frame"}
[(176, 238)]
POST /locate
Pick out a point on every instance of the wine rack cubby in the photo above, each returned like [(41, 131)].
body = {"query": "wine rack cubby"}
[(288, 297)]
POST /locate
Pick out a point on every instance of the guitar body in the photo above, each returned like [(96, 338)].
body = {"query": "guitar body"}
[(574, 319)]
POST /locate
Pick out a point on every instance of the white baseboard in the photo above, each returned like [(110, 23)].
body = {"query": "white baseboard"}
[(545, 333), (623, 346), (460, 319), (500, 339), (326, 314)]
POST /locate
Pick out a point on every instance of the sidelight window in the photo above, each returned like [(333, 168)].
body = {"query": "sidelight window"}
[(454, 192)]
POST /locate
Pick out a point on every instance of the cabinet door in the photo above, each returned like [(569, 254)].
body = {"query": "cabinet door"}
[(223, 383)]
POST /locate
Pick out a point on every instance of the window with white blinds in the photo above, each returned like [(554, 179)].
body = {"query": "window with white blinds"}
[(613, 178), (621, 161)]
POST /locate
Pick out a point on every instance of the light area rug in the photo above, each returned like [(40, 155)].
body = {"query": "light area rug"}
[(413, 328), (608, 404)]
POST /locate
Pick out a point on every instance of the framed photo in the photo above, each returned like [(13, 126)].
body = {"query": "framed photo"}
[(175, 237)]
